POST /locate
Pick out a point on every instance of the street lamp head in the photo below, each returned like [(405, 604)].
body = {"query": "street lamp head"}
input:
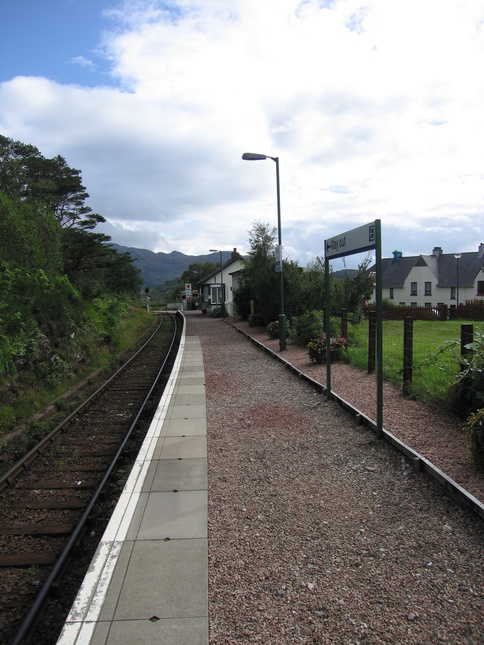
[(457, 256), (213, 250), (253, 156)]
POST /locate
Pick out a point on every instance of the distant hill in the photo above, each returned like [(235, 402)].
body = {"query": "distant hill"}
[(159, 268), (341, 274)]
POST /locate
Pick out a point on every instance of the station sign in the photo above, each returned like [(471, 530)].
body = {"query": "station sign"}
[(188, 290), (357, 240)]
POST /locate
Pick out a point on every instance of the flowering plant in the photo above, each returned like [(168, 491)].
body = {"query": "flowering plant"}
[(273, 328), (317, 346), (474, 428)]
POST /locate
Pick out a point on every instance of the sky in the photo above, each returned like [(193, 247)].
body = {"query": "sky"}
[(375, 109)]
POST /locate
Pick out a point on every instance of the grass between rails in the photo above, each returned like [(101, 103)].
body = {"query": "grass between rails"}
[(436, 352)]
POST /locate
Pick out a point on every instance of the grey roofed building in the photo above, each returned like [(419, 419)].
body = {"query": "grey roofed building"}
[(430, 280), (217, 288)]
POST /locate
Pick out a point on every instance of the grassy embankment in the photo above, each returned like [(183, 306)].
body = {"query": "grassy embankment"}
[(34, 394)]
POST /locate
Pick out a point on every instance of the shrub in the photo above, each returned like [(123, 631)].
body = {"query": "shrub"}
[(307, 326), (273, 329), (471, 380), (310, 325), (474, 428)]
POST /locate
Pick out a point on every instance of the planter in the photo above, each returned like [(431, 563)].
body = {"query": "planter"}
[(320, 357)]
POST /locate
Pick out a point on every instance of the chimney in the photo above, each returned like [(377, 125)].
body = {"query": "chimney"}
[(234, 254), (437, 251), (481, 250)]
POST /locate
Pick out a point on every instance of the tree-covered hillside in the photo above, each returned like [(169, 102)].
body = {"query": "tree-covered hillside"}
[(64, 288)]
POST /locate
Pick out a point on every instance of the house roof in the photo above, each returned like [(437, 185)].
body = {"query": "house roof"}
[(235, 258), (395, 270)]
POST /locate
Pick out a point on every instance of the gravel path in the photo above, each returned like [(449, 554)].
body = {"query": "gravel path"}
[(318, 533)]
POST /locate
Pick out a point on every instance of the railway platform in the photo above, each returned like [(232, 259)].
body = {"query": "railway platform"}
[(148, 581)]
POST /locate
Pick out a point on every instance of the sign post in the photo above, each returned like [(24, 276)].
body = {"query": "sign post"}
[(363, 238)]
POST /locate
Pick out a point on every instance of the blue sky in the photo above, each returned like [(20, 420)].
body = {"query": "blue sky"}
[(58, 39), (374, 108)]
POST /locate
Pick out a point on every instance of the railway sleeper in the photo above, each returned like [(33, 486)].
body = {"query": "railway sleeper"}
[(37, 529), (29, 559), (56, 485)]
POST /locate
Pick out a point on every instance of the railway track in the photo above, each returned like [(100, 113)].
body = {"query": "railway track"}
[(49, 496)]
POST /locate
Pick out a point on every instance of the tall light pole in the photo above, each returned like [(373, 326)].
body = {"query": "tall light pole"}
[(457, 258), (254, 156), (222, 290)]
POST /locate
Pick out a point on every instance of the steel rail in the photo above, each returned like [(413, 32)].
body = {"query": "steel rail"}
[(43, 594)]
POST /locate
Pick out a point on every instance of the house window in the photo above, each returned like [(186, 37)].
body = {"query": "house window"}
[(428, 305), (391, 293), (428, 288), (452, 293), (413, 289), (413, 304), (216, 294), (480, 287)]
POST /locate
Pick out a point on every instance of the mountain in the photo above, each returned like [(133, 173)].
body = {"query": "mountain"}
[(159, 268)]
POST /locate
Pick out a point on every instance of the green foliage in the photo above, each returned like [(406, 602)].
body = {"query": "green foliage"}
[(242, 297), (351, 292), (311, 325), (259, 282), (307, 326), (273, 329), (193, 275), (474, 429), (471, 378), (317, 346), (47, 224), (31, 237), (64, 289), (7, 366)]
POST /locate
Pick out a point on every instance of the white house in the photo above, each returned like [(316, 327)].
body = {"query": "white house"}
[(218, 287), (431, 280)]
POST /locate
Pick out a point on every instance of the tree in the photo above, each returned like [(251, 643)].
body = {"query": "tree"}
[(30, 236), (48, 192), (193, 275), (259, 281), (26, 175), (351, 293)]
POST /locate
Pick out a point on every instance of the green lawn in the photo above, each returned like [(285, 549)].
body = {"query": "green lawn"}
[(436, 351)]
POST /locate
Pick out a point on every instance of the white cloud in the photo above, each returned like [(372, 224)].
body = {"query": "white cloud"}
[(374, 108), (82, 61)]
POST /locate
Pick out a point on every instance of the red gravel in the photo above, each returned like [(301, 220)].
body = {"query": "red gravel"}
[(319, 533)]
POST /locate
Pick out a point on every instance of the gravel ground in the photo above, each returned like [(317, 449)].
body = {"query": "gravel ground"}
[(318, 533)]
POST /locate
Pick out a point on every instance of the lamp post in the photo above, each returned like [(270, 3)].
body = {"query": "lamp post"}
[(254, 156), (457, 258), (222, 290)]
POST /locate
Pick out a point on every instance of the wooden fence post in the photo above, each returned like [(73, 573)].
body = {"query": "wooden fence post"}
[(466, 338), (371, 341), (407, 354)]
